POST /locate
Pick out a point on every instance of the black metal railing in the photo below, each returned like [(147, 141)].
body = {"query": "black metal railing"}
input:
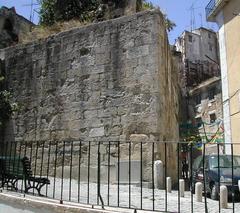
[(129, 175), (211, 7)]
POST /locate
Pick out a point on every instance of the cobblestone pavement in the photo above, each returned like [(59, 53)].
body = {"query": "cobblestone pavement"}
[(135, 198)]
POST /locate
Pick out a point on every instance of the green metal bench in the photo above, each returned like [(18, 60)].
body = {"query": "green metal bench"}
[(14, 169)]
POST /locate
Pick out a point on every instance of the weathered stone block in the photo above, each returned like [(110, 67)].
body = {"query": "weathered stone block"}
[(137, 52), (96, 132), (140, 138)]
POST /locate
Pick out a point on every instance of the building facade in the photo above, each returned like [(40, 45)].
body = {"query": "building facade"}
[(226, 15), (200, 57), (200, 44), (201, 86), (205, 112), (12, 27)]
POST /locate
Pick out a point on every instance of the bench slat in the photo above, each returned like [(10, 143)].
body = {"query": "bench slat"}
[(13, 169)]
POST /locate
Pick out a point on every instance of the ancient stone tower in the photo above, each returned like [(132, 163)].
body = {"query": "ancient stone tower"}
[(109, 81)]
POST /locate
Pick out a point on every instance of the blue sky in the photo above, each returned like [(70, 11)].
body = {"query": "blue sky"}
[(177, 10)]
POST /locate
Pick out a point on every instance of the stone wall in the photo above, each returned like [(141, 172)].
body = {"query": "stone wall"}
[(13, 27), (114, 80), (114, 9)]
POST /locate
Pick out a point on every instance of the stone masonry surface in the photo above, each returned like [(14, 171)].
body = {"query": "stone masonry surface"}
[(109, 81), (103, 81)]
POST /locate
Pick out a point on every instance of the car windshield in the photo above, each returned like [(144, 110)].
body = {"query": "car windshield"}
[(225, 161)]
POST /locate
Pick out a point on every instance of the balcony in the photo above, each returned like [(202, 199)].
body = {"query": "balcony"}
[(213, 8)]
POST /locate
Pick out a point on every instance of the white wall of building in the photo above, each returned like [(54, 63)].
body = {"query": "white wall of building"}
[(224, 71)]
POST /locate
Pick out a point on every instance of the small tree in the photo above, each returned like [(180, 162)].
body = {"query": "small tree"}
[(61, 10), (5, 106), (147, 5), (85, 10), (168, 23), (47, 12)]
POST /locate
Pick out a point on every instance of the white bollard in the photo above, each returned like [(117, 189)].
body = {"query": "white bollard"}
[(158, 174), (239, 185), (198, 191), (169, 184), (181, 187), (223, 197)]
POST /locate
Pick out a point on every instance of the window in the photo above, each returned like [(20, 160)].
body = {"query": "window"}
[(213, 118), (190, 38), (209, 35), (200, 163), (210, 47), (8, 25), (199, 122), (198, 99), (211, 93), (224, 161)]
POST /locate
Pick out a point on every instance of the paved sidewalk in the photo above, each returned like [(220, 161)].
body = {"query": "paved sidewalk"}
[(134, 199)]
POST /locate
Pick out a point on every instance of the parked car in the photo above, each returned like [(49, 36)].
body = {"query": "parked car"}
[(218, 171)]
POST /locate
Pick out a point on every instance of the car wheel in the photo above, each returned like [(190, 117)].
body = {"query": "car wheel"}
[(214, 193)]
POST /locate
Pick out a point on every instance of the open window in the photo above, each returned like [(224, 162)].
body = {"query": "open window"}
[(8, 26), (198, 122), (213, 118), (198, 99), (209, 35), (210, 47), (190, 38), (211, 93)]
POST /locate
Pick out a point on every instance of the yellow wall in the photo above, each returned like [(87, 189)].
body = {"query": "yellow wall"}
[(232, 38)]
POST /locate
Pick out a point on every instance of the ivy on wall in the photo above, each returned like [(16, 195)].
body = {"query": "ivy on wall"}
[(6, 107)]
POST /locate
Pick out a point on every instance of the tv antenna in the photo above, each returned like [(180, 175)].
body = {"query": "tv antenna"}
[(201, 19), (31, 10), (193, 18)]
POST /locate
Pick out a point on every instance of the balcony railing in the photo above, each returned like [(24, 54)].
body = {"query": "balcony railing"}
[(210, 7), (213, 8)]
